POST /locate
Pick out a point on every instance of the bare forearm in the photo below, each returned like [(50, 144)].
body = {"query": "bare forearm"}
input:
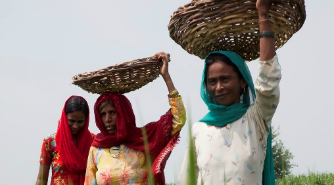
[(169, 82), (43, 175), (267, 45), (164, 71)]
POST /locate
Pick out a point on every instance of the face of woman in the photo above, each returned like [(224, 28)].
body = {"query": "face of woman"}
[(76, 120), (108, 116), (224, 84)]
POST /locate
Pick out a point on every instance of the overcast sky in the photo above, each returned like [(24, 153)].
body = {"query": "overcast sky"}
[(44, 43)]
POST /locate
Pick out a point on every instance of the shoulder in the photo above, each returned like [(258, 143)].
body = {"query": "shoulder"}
[(251, 109), (94, 149), (251, 113), (51, 138), (49, 142), (98, 152), (198, 126)]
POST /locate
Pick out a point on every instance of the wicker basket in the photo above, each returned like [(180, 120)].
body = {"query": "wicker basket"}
[(203, 26), (120, 78)]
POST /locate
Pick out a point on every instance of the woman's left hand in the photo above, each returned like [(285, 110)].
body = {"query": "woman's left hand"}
[(165, 59)]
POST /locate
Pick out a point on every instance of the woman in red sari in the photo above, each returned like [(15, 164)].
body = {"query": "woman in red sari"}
[(66, 151), (117, 155)]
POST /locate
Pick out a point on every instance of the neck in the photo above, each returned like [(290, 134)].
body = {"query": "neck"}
[(74, 138)]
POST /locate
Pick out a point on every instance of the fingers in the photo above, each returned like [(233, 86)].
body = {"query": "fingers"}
[(163, 56)]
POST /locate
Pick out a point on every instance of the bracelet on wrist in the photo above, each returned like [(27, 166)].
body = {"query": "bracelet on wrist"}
[(263, 20), (173, 94), (268, 34)]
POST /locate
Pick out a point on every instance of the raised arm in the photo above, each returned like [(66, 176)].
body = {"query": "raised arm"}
[(175, 100), (267, 43), (164, 71), (267, 83)]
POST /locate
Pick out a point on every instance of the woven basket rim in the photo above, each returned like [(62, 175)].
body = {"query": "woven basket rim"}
[(120, 67), (191, 23), (121, 78)]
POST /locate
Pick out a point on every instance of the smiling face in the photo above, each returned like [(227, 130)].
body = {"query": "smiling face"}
[(76, 121), (224, 84), (108, 116)]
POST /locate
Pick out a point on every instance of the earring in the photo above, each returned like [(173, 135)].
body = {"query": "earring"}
[(243, 90)]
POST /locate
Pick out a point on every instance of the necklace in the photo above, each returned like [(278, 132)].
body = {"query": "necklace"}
[(114, 152)]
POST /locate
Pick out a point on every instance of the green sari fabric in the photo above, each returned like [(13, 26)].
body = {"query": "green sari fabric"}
[(221, 115)]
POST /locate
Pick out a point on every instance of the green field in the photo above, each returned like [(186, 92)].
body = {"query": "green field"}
[(304, 179), (309, 179)]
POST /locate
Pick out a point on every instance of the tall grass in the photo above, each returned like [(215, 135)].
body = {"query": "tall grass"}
[(147, 150), (283, 178), (191, 166), (148, 158), (312, 178), (69, 180), (42, 178), (191, 180), (304, 179)]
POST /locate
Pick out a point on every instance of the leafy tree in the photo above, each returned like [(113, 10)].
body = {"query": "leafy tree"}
[(281, 155)]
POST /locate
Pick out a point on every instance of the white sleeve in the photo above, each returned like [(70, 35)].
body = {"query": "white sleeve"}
[(267, 89)]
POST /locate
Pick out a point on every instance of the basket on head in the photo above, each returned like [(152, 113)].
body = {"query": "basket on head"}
[(120, 78), (203, 26)]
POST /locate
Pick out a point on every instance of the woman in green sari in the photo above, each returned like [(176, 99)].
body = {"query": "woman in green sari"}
[(232, 142)]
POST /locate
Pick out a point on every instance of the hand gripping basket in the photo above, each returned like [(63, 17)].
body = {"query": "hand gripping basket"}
[(203, 26), (120, 78)]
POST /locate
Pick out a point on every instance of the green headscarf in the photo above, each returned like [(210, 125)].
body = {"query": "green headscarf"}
[(221, 115)]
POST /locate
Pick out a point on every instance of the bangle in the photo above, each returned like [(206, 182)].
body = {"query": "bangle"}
[(268, 34), (173, 94), (263, 20)]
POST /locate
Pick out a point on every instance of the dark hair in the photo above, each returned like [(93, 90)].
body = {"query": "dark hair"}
[(214, 57), (76, 103)]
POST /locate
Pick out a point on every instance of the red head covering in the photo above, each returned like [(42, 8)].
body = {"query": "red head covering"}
[(74, 157), (158, 133)]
